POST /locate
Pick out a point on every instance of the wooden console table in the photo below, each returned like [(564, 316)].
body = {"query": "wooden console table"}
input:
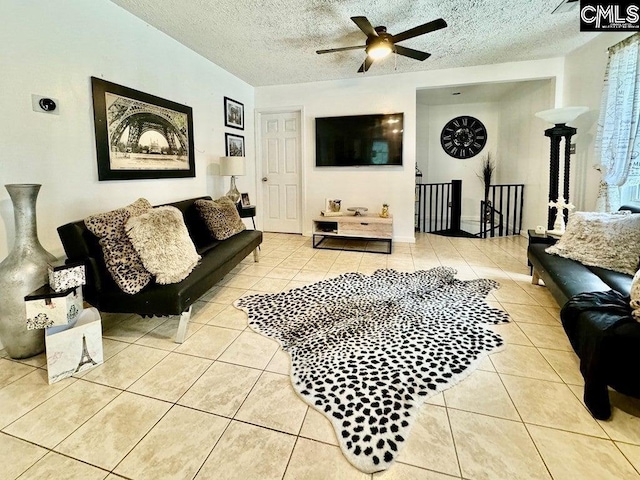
[(355, 227)]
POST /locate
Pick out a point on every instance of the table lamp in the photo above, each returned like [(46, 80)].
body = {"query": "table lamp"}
[(233, 166)]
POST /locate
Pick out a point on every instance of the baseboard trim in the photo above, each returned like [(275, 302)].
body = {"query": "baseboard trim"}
[(404, 239)]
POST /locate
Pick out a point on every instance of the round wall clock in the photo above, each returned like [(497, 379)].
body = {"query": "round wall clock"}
[(463, 137)]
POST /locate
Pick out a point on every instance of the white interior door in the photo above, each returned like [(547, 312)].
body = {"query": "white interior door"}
[(281, 178)]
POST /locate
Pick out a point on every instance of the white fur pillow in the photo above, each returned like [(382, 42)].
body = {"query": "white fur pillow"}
[(635, 296), (161, 239), (607, 240)]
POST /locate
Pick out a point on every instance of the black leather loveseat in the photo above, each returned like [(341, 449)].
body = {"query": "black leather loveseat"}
[(218, 259), (599, 326)]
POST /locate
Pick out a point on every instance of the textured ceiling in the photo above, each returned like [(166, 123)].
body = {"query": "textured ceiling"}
[(477, 93), (274, 42)]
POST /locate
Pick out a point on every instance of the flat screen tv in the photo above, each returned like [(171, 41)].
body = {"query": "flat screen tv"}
[(359, 140)]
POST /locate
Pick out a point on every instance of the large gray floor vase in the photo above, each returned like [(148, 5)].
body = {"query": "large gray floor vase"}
[(24, 270)]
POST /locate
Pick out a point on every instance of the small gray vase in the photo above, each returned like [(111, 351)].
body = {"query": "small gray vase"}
[(24, 270)]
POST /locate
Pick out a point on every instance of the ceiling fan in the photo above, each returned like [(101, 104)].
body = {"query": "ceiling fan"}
[(380, 43)]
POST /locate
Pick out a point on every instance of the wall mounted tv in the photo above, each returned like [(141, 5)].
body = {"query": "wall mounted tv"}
[(359, 140)]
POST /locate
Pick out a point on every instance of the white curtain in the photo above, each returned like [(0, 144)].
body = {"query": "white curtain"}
[(618, 139)]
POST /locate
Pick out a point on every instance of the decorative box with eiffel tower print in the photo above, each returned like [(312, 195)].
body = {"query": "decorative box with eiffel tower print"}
[(76, 349), (48, 308)]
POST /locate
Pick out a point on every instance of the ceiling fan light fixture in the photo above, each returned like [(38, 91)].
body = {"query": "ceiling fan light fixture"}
[(381, 43), (379, 50)]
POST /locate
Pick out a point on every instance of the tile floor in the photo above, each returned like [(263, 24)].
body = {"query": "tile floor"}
[(220, 406)]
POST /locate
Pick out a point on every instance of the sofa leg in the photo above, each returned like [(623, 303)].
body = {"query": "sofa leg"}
[(535, 278), (181, 335), (256, 255)]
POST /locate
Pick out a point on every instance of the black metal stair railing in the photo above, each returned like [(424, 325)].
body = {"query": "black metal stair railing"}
[(433, 207), (490, 221), (502, 213), (438, 208)]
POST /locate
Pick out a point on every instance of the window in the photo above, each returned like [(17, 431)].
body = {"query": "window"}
[(630, 195)]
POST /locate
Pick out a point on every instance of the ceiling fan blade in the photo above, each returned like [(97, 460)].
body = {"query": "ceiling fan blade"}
[(341, 49), (411, 53), (364, 25), (419, 30), (368, 61)]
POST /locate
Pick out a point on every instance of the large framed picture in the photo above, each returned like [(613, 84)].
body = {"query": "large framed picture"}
[(235, 145), (233, 114), (139, 135)]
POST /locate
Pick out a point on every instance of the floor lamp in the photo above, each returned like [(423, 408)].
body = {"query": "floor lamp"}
[(232, 166), (559, 117)]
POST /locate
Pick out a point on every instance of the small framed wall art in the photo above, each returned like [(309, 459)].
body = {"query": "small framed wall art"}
[(235, 145), (332, 205), (233, 114), (139, 135)]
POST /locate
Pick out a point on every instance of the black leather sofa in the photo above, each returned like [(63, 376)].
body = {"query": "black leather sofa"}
[(218, 259), (599, 325)]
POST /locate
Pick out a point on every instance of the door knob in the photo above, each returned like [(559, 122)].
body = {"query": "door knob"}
[(264, 179)]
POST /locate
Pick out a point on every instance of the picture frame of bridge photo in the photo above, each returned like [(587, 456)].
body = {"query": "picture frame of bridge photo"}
[(139, 135)]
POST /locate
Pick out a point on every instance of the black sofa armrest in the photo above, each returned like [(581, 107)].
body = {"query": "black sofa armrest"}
[(631, 208), (81, 245)]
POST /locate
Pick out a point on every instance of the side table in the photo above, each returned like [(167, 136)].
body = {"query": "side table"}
[(539, 238), (248, 212)]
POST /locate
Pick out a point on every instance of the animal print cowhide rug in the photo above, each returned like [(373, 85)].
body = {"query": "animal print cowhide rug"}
[(368, 350)]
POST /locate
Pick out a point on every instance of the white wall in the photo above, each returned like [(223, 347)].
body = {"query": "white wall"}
[(422, 139), (370, 187), (523, 151), (444, 168), (53, 48), (584, 77)]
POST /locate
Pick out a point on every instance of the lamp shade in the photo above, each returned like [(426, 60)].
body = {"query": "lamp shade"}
[(231, 166), (561, 115)]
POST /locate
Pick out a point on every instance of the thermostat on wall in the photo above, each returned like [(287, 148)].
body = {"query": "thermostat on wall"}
[(42, 104)]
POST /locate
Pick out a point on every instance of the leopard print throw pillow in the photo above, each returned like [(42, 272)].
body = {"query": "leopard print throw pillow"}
[(221, 216), (121, 259)]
